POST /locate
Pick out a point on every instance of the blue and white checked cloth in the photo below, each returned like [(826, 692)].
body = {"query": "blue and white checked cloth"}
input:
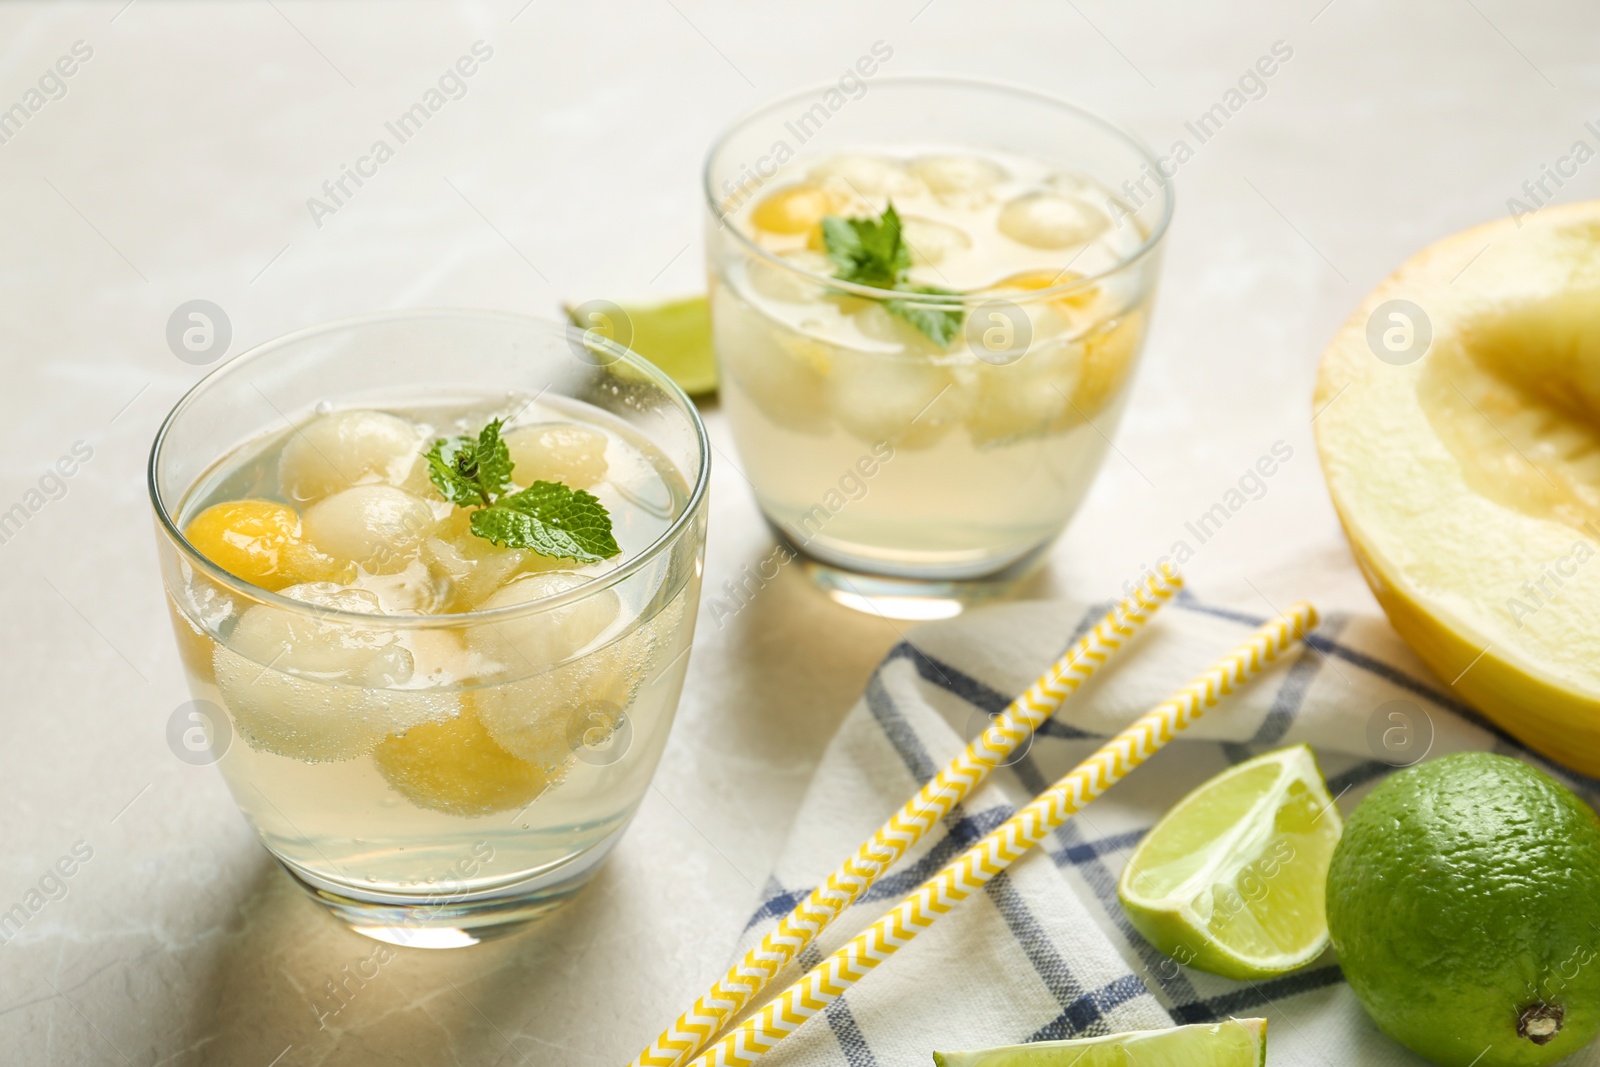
[(1047, 953)]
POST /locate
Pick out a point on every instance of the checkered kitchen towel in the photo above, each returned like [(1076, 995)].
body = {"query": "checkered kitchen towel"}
[(1046, 953)]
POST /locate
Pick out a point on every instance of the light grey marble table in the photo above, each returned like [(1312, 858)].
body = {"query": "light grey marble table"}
[(176, 162)]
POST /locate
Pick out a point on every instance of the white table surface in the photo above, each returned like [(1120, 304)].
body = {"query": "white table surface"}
[(177, 166)]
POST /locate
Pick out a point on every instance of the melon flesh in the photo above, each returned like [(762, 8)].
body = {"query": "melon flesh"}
[(1468, 481)]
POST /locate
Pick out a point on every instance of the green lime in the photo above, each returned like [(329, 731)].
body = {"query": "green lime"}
[(1231, 879), (1231, 1043), (1464, 903), (675, 336)]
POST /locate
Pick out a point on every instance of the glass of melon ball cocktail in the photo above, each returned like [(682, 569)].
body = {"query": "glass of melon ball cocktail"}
[(927, 305), (434, 578)]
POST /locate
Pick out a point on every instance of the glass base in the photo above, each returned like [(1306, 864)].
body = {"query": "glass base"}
[(917, 599), (451, 920)]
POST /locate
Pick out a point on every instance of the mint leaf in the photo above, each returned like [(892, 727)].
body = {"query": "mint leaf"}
[(873, 252), (553, 520), (867, 251), (937, 322), (548, 517), (471, 472), (494, 461), (452, 467)]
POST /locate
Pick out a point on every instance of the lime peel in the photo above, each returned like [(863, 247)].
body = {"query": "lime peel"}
[(1230, 1043), (1464, 903), (675, 335)]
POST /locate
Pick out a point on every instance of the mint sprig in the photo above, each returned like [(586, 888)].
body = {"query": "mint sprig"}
[(873, 252), (471, 472), (550, 518)]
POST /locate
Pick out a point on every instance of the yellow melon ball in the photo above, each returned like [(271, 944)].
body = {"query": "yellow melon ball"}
[(249, 539), (1108, 358), (456, 767), (793, 209), (1029, 281)]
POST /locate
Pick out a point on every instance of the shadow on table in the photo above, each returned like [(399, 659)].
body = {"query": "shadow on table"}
[(294, 987)]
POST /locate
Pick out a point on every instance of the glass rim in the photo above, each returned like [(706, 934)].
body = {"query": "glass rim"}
[(590, 585), (964, 300)]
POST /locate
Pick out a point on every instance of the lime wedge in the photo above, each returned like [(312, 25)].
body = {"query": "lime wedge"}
[(675, 336), (1233, 879), (1231, 1043)]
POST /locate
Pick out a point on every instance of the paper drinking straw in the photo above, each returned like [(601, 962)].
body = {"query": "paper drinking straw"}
[(696, 1027), (1032, 824)]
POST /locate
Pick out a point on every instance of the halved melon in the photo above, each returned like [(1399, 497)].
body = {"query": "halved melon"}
[(1468, 477)]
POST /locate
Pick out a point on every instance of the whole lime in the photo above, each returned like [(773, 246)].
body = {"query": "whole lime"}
[(1464, 903)]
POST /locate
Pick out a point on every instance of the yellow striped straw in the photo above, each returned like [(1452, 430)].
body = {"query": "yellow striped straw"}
[(1000, 848), (696, 1027)]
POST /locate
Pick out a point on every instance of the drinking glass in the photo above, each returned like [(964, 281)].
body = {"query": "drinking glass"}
[(914, 475), (447, 840)]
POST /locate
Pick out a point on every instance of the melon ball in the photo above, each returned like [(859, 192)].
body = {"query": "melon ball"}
[(960, 181), (1072, 183), (957, 174), (532, 716), (779, 370), (867, 176), (1027, 398), (262, 542), (1109, 355), (793, 209), (378, 527), (475, 567), (315, 688), (456, 767), (791, 286), (557, 452), (900, 397), (930, 242), (347, 448), (249, 539), (1045, 220), (582, 703), (534, 641)]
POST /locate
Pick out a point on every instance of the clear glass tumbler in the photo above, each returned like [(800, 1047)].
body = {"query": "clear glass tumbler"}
[(918, 467), (436, 778)]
